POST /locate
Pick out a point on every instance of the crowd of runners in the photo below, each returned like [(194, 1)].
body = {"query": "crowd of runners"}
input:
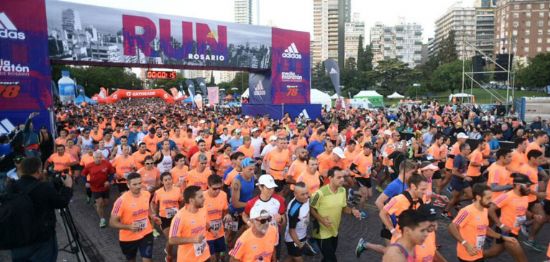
[(221, 186)]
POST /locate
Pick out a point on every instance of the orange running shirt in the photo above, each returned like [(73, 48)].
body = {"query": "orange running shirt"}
[(364, 164), (518, 159), (133, 210), (186, 225), (230, 176), (178, 175), (248, 152), (313, 182), (426, 251), (194, 178), (123, 166), (168, 202), (296, 169), (139, 158), (215, 209), (476, 157), (455, 151), (533, 174), (61, 163), (472, 225), (277, 162), (149, 178), (151, 143), (194, 162), (251, 248), (498, 175), (513, 209)]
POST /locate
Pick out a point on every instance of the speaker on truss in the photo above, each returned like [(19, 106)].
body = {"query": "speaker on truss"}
[(502, 60), (478, 64)]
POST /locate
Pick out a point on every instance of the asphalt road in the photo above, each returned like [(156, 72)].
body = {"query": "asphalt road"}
[(102, 244)]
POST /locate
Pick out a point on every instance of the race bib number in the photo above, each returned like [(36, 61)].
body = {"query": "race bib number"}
[(519, 221), (199, 248), (171, 212), (141, 224), (215, 225), (480, 241), (232, 226), (181, 179)]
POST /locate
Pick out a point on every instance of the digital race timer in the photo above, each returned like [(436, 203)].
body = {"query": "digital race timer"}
[(153, 74)]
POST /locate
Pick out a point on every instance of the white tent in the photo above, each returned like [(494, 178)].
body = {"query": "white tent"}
[(367, 94), (319, 97), (396, 95), (245, 93), (462, 96), (334, 97)]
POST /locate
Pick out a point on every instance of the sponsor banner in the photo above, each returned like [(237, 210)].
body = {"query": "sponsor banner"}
[(131, 38), (290, 72), (259, 88), (213, 95), (332, 70), (305, 111), (202, 85), (128, 94), (25, 81)]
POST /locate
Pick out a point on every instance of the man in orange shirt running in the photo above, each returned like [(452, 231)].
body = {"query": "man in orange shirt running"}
[(61, 161), (499, 176), (258, 242), (216, 205), (471, 226), (131, 215), (361, 167), (297, 167), (277, 162), (189, 226)]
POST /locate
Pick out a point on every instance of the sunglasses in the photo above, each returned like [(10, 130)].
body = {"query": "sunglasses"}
[(216, 188), (264, 220), (148, 163)]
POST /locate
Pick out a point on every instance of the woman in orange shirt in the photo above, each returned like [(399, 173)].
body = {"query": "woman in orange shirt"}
[(223, 161), (150, 175), (166, 202), (180, 171)]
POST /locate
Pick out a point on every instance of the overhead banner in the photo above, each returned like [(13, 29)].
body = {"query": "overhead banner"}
[(213, 95), (128, 94), (87, 34), (290, 73), (25, 80), (259, 88)]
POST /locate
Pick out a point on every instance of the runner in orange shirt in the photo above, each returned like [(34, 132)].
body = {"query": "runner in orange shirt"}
[(471, 226), (60, 160), (189, 226), (236, 159), (151, 141), (361, 168), (519, 156), (513, 213), (247, 149), (216, 205), (150, 175), (194, 161), (123, 164), (277, 162), (166, 202), (454, 151), (131, 214), (311, 176), (258, 242), (500, 180), (199, 175), (223, 161), (476, 162), (436, 152), (140, 154), (297, 167), (180, 171)]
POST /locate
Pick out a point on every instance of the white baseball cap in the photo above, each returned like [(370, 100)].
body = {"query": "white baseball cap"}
[(339, 152), (255, 129), (387, 132), (258, 212), (267, 181), (461, 135), (273, 138)]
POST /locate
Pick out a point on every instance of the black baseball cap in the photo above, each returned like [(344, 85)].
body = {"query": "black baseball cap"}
[(521, 179), (427, 211)]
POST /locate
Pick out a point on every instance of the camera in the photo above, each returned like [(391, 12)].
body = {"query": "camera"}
[(57, 177)]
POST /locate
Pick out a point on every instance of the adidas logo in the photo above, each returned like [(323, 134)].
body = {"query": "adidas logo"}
[(292, 52), (8, 29), (259, 89), (333, 71)]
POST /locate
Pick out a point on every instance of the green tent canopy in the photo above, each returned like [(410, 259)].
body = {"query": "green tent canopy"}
[(376, 99)]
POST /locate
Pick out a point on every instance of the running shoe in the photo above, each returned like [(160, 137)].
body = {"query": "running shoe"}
[(450, 189), (379, 189), (155, 233), (88, 200), (534, 245), (364, 215), (360, 248), (102, 223)]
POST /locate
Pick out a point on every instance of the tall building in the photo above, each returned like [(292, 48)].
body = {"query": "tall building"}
[(402, 41), (485, 26), (325, 28), (523, 27), (247, 11), (353, 31), (70, 21), (462, 20)]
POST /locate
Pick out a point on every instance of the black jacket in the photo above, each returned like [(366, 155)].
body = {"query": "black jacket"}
[(45, 198)]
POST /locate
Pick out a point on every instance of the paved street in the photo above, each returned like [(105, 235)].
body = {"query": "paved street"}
[(102, 244)]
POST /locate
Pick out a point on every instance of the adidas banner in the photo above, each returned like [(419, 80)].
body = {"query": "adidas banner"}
[(259, 88), (25, 75), (331, 68), (290, 73)]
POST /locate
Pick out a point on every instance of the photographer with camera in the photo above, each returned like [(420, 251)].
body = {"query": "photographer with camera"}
[(38, 222)]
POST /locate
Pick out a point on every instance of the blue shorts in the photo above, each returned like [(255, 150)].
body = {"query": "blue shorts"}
[(459, 184), (217, 245)]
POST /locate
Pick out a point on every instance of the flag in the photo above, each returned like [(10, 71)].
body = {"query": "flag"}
[(202, 85), (213, 95), (331, 68)]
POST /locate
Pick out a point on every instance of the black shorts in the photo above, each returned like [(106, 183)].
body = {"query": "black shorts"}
[(144, 245), (459, 184), (364, 181), (385, 233), (477, 260), (531, 205), (104, 195), (441, 165), (546, 205), (475, 180), (437, 175), (165, 222), (293, 250), (217, 245), (500, 241), (76, 167), (280, 185)]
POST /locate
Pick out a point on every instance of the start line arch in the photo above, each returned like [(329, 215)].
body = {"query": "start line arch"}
[(38, 32), (121, 94)]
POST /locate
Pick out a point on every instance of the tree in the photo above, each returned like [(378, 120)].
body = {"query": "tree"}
[(319, 79), (240, 81), (449, 77), (364, 56), (536, 74), (447, 51), (392, 76), (212, 81)]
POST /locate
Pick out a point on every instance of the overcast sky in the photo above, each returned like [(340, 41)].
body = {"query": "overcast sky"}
[(295, 14)]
